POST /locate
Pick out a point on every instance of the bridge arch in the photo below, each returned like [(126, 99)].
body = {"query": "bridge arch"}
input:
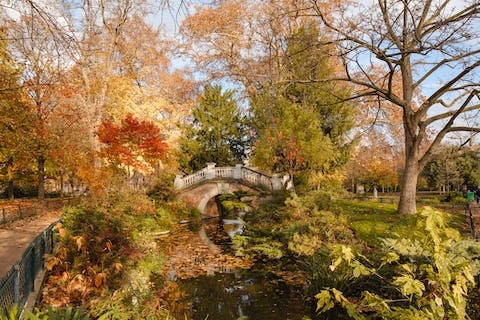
[(200, 187)]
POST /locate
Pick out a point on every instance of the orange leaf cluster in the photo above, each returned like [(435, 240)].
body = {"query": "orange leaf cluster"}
[(132, 142)]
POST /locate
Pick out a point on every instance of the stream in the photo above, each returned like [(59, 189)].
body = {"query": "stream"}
[(241, 293)]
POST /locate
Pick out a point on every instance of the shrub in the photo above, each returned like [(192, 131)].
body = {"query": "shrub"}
[(453, 197), (163, 189), (92, 249), (294, 227), (100, 245), (179, 211)]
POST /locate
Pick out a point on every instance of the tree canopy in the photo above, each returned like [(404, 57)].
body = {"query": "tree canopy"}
[(302, 127), (216, 132)]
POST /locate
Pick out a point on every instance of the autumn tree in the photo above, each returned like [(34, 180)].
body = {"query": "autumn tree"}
[(132, 144), (246, 49), (303, 127), (116, 63), (432, 46), (43, 63), (217, 131), (15, 122), (289, 139)]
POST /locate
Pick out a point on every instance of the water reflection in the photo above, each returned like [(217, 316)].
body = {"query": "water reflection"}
[(243, 293), (232, 294), (232, 227), (221, 231)]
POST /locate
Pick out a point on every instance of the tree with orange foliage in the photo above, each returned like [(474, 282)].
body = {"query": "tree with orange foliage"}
[(132, 143), (43, 63)]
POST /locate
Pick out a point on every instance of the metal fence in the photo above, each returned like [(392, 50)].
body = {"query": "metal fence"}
[(20, 211), (470, 213), (18, 283)]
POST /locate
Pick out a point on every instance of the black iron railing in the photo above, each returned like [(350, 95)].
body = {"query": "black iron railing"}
[(470, 211), (18, 283)]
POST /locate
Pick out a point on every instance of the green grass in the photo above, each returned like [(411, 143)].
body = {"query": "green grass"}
[(371, 221)]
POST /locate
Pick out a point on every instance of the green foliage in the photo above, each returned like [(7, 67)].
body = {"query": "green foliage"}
[(433, 271), (292, 226), (163, 219), (180, 211), (117, 306), (455, 197), (320, 276), (253, 245), (233, 204), (217, 132), (16, 124), (320, 147), (307, 62), (10, 314), (69, 313), (452, 166)]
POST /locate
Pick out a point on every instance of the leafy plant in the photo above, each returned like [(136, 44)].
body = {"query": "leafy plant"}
[(10, 313), (98, 246), (69, 313), (433, 271)]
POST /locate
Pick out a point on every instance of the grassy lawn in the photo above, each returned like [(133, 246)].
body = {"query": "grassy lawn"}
[(372, 220)]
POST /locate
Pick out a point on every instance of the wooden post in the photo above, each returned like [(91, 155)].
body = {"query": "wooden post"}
[(3, 215), (20, 211)]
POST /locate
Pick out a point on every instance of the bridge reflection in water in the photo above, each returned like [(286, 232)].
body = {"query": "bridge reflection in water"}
[(254, 294)]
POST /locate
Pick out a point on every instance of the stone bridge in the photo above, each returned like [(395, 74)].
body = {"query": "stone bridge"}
[(202, 186)]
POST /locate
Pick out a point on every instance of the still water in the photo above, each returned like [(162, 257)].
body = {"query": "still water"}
[(251, 294), (245, 293)]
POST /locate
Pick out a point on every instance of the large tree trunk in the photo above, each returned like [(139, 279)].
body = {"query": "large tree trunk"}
[(408, 204), (408, 201), (41, 177), (10, 191)]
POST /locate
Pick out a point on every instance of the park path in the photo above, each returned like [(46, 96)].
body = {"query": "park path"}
[(16, 236)]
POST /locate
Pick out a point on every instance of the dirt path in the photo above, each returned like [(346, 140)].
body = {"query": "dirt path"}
[(15, 237)]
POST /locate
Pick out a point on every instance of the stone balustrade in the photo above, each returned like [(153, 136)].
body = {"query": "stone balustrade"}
[(247, 175)]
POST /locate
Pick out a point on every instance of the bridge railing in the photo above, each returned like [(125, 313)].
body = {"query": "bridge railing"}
[(239, 172), (224, 172)]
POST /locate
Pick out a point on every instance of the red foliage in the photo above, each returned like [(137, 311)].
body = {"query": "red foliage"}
[(132, 142)]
